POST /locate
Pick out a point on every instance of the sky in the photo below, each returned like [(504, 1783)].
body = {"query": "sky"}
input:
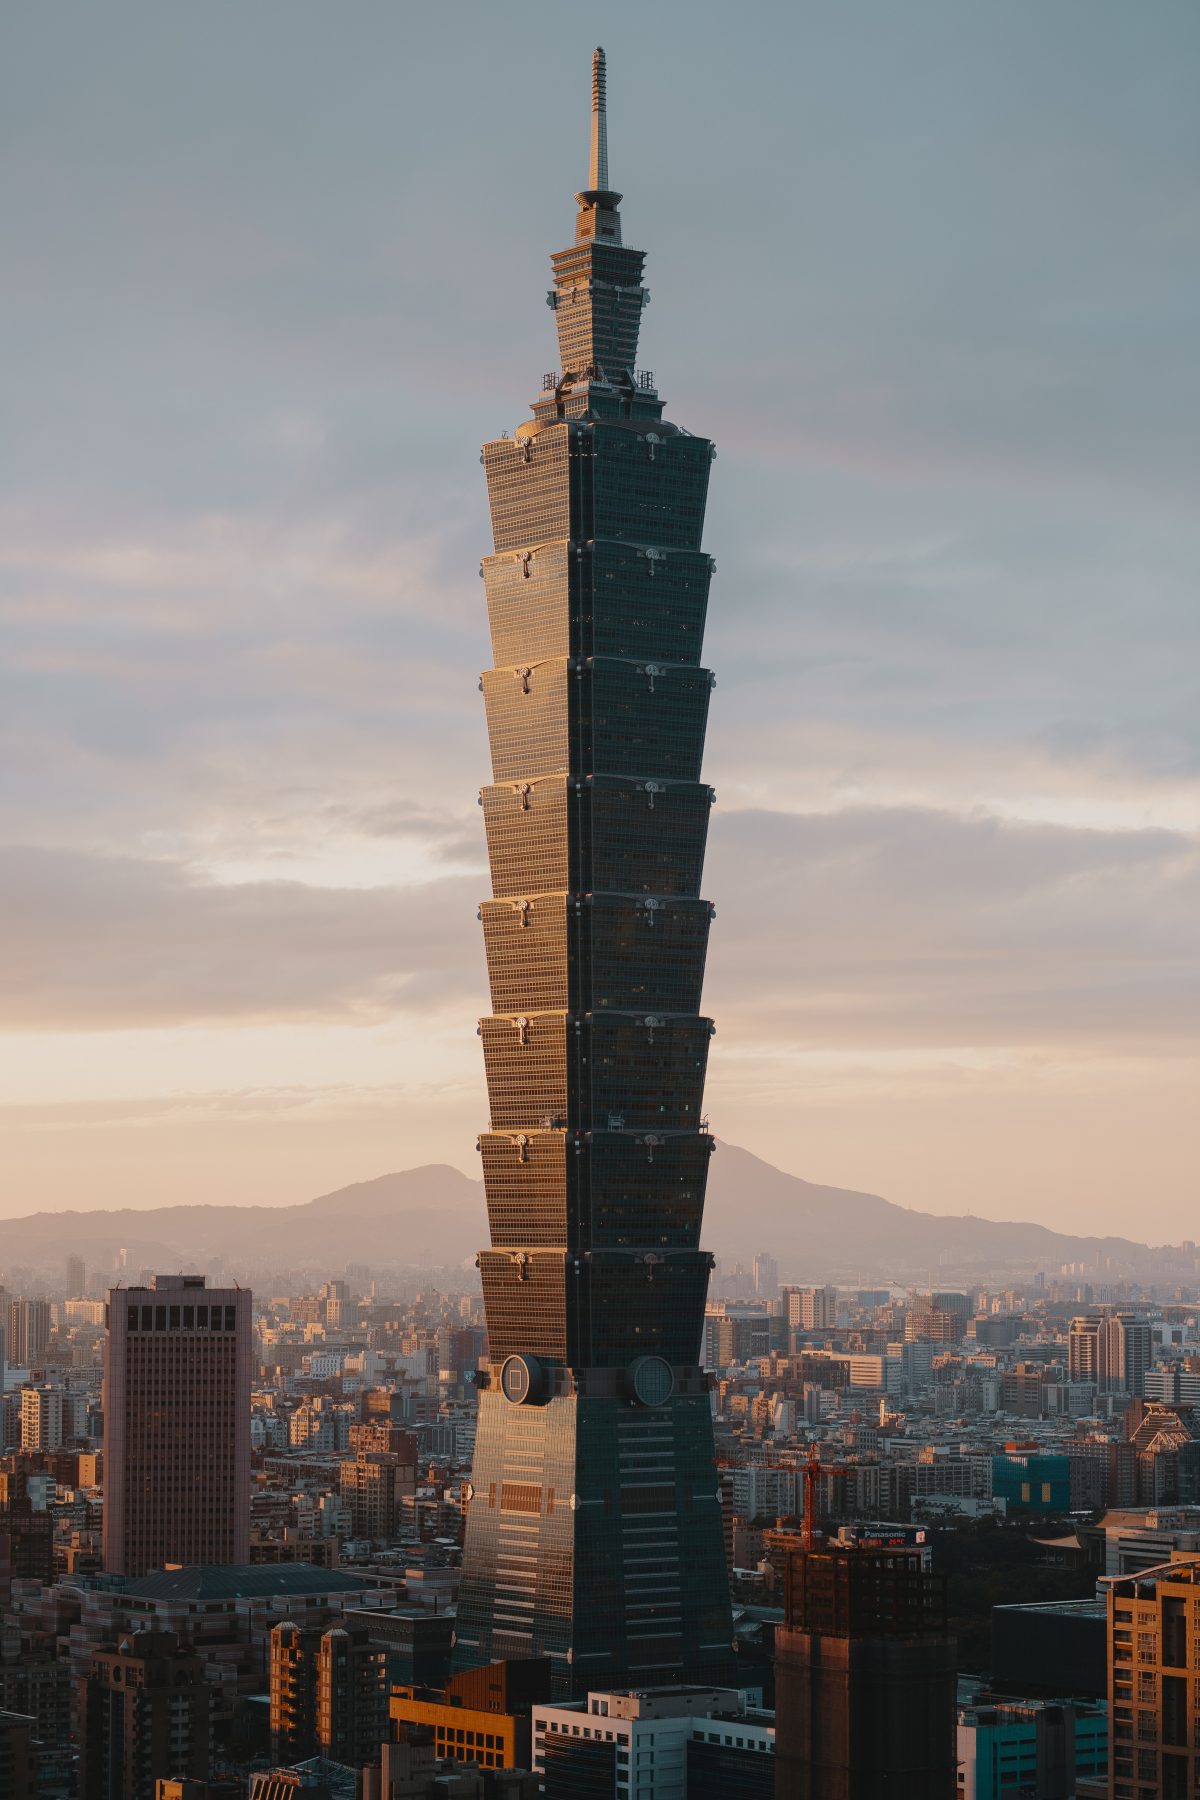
[(927, 275)]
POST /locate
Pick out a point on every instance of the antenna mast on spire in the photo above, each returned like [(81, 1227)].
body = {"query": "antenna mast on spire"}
[(598, 221), (598, 163)]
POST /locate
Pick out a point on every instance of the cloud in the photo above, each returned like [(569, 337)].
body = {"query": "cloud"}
[(914, 927), (95, 942), (870, 928), (220, 1105)]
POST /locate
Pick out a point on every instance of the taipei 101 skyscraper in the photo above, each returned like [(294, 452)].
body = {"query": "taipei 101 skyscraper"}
[(594, 1525)]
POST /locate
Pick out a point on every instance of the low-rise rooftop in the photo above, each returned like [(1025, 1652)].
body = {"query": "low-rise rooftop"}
[(242, 1581), (1083, 1609)]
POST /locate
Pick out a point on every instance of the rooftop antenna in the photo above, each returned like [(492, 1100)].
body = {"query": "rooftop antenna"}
[(598, 162)]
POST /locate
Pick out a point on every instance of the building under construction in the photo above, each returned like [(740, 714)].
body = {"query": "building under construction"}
[(864, 1678)]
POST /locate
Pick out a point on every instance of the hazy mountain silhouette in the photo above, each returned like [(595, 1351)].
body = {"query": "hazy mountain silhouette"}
[(434, 1216), (817, 1231)]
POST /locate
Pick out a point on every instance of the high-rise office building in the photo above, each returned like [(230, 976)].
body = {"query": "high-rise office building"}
[(811, 1309), (42, 1417), (352, 1696), (374, 1485), (293, 1691), (1154, 1683), (1084, 1355), (1128, 1353), (76, 1277), (937, 1318), (766, 1276), (1111, 1350), (177, 1368), (328, 1693), (143, 1711), (594, 1531), (864, 1678), (28, 1332)]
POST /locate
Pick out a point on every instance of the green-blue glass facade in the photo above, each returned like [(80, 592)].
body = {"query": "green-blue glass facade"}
[(1032, 1482)]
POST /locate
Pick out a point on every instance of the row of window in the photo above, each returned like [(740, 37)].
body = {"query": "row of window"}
[(605, 1318), (598, 325), (544, 957), (615, 836), (609, 717), (182, 1318), (649, 1226), (608, 599), (608, 482)]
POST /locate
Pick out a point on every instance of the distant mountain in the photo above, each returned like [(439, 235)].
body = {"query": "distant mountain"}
[(431, 1215), (820, 1233), (434, 1217)]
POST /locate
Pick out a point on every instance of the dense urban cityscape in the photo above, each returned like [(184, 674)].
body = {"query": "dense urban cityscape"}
[(586, 1511), (263, 1583)]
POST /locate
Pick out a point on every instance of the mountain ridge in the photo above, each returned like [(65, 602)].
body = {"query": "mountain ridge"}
[(815, 1231)]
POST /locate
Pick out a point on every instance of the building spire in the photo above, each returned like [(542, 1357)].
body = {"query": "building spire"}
[(598, 162), (598, 219)]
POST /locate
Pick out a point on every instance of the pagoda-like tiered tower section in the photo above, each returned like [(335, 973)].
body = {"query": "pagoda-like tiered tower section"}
[(594, 1529)]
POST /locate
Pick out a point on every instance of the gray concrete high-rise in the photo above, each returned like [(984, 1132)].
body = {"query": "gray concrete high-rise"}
[(177, 1370), (1111, 1350), (28, 1332)]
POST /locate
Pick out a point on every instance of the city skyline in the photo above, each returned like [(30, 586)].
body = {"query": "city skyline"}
[(954, 855), (567, 1458)]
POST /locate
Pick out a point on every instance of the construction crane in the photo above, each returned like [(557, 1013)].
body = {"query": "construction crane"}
[(812, 1470)]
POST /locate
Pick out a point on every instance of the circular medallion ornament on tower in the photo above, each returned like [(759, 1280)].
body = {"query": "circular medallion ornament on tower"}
[(521, 1379), (651, 1381)]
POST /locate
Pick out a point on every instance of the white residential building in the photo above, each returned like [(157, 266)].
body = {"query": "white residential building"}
[(644, 1736), (51, 1417)]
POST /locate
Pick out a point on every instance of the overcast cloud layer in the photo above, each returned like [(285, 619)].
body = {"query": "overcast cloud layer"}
[(927, 274)]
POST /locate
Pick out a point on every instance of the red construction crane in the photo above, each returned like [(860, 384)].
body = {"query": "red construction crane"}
[(812, 1470)]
